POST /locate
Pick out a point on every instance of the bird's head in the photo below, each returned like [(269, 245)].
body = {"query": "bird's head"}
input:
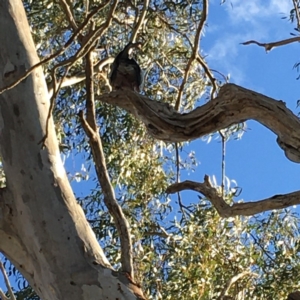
[(129, 48)]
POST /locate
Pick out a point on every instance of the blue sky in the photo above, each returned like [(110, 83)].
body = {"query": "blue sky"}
[(255, 162)]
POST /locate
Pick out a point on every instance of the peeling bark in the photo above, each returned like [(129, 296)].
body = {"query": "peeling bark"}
[(43, 230)]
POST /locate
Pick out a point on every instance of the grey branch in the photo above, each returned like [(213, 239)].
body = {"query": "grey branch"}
[(233, 105)]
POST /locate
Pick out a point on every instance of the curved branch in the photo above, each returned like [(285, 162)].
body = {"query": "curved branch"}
[(236, 209), (233, 105)]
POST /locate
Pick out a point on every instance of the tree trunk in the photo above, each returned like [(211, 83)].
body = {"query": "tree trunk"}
[(43, 231)]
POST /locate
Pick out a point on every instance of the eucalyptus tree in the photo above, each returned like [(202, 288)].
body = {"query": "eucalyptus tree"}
[(126, 238)]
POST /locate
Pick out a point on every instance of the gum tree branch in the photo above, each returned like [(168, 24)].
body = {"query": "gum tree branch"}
[(233, 105), (80, 76), (90, 127)]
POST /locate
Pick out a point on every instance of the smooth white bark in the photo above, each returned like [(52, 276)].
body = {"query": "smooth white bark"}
[(43, 230)]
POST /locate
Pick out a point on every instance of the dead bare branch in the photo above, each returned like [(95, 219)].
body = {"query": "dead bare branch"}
[(270, 46), (236, 209)]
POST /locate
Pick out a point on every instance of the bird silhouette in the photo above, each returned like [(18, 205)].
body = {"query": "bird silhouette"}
[(125, 72)]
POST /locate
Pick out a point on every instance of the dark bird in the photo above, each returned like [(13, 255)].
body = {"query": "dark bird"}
[(125, 71)]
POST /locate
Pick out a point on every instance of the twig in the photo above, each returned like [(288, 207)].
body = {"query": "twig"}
[(209, 75), (69, 14), (270, 46), (8, 286), (181, 206), (223, 162), (194, 52), (221, 74), (262, 247), (177, 163)]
